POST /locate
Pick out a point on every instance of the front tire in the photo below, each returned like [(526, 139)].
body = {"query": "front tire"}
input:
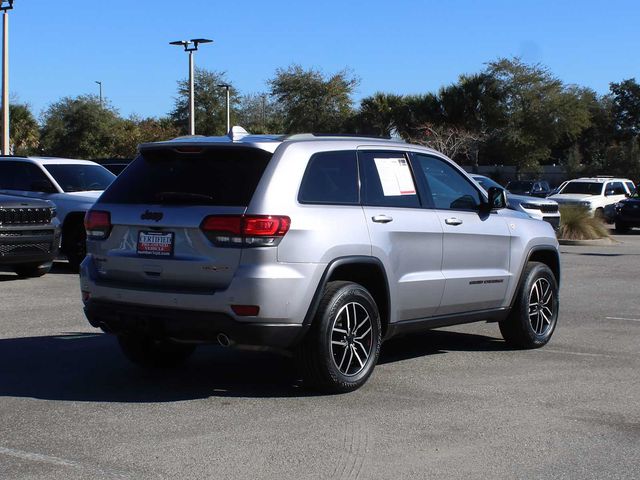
[(75, 245), (32, 270), (534, 316), (152, 353), (342, 347)]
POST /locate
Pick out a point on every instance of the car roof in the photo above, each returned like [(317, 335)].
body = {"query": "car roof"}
[(599, 179), (269, 142), (50, 160)]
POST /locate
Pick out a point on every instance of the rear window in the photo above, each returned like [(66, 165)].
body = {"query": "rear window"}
[(213, 176)]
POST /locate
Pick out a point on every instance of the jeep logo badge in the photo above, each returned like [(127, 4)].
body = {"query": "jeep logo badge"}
[(147, 215)]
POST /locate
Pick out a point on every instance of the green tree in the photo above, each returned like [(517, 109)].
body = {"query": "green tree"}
[(540, 112), (210, 103), (258, 113), (79, 127), (626, 107), (133, 131), (311, 101), (24, 132)]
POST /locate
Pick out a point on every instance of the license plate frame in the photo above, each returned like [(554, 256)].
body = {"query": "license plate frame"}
[(155, 244)]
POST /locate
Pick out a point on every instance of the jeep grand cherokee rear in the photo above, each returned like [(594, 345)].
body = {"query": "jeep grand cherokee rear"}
[(322, 246)]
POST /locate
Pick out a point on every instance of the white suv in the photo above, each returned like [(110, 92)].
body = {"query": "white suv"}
[(72, 185), (594, 193)]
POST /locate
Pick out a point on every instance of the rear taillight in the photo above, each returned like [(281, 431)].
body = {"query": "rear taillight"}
[(97, 224), (245, 230)]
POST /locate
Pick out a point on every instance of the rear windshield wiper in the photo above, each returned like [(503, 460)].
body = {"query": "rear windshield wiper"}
[(184, 196)]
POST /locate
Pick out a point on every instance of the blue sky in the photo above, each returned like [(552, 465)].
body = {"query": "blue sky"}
[(59, 49)]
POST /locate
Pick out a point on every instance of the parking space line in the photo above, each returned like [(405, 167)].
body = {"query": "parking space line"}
[(581, 354), (61, 462), (622, 318)]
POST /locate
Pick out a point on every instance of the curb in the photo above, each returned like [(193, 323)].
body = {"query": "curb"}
[(598, 242)]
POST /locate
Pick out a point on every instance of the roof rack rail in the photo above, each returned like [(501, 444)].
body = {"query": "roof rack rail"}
[(303, 136)]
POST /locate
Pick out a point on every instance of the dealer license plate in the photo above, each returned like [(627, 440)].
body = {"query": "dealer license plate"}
[(155, 243)]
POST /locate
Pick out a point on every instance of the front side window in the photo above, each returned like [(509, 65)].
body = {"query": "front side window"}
[(387, 180), (615, 188), (331, 178), (449, 189)]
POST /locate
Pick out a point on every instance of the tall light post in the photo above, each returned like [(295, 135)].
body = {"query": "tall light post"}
[(191, 46), (100, 85), (5, 6), (227, 87)]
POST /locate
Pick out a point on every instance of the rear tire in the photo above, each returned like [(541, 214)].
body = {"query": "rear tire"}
[(152, 353), (534, 316), (621, 227), (32, 270), (342, 347), (75, 245)]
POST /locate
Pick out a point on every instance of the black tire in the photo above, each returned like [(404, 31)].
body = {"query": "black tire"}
[(599, 214), (74, 240), (32, 270), (530, 324), (621, 227), (334, 339), (151, 353)]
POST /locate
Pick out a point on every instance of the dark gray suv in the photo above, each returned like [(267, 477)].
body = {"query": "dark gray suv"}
[(319, 245)]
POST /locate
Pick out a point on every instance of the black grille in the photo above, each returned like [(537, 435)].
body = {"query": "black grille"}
[(21, 248), (25, 216), (549, 208)]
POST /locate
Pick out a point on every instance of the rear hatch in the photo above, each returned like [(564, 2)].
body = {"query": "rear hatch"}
[(155, 210)]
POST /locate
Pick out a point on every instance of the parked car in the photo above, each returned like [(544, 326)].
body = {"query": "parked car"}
[(595, 194), (72, 186), (319, 245), (29, 235), (558, 188), (538, 208), (627, 213), (531, 188)]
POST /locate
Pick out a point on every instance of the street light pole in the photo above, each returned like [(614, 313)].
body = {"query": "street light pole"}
[(5, 6), (191, 46), (226, 86), (100, 85)]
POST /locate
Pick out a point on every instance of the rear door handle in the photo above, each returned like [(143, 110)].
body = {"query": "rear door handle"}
[(453, 221), (382, 218)]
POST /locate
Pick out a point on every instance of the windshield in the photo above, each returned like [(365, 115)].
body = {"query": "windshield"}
[(80, 177), (519, 186), (587, 188), (486, 182)]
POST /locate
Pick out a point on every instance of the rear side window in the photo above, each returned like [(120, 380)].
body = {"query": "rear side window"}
[(212, 176), (332, 178)]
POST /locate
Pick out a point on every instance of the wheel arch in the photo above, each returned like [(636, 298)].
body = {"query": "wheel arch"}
[(543, 254), (70, 220), (366, 271)]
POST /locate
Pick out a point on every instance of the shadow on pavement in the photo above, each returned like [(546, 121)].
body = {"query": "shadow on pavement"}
[(90, 367)]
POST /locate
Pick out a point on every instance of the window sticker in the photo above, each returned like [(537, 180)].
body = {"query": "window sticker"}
[(395, 176)]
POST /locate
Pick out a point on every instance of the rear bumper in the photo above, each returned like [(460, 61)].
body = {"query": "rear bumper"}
[(188, 325)]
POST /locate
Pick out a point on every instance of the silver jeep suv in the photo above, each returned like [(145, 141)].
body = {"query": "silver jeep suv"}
[(320, 245)]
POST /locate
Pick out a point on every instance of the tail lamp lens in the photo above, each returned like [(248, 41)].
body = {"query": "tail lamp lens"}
[(246, 230), (97, 224)]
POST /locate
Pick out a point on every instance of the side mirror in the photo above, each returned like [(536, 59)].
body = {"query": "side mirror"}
[(497, 199)]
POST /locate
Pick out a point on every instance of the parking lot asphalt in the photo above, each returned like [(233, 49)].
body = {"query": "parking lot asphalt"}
[(451, 403)]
